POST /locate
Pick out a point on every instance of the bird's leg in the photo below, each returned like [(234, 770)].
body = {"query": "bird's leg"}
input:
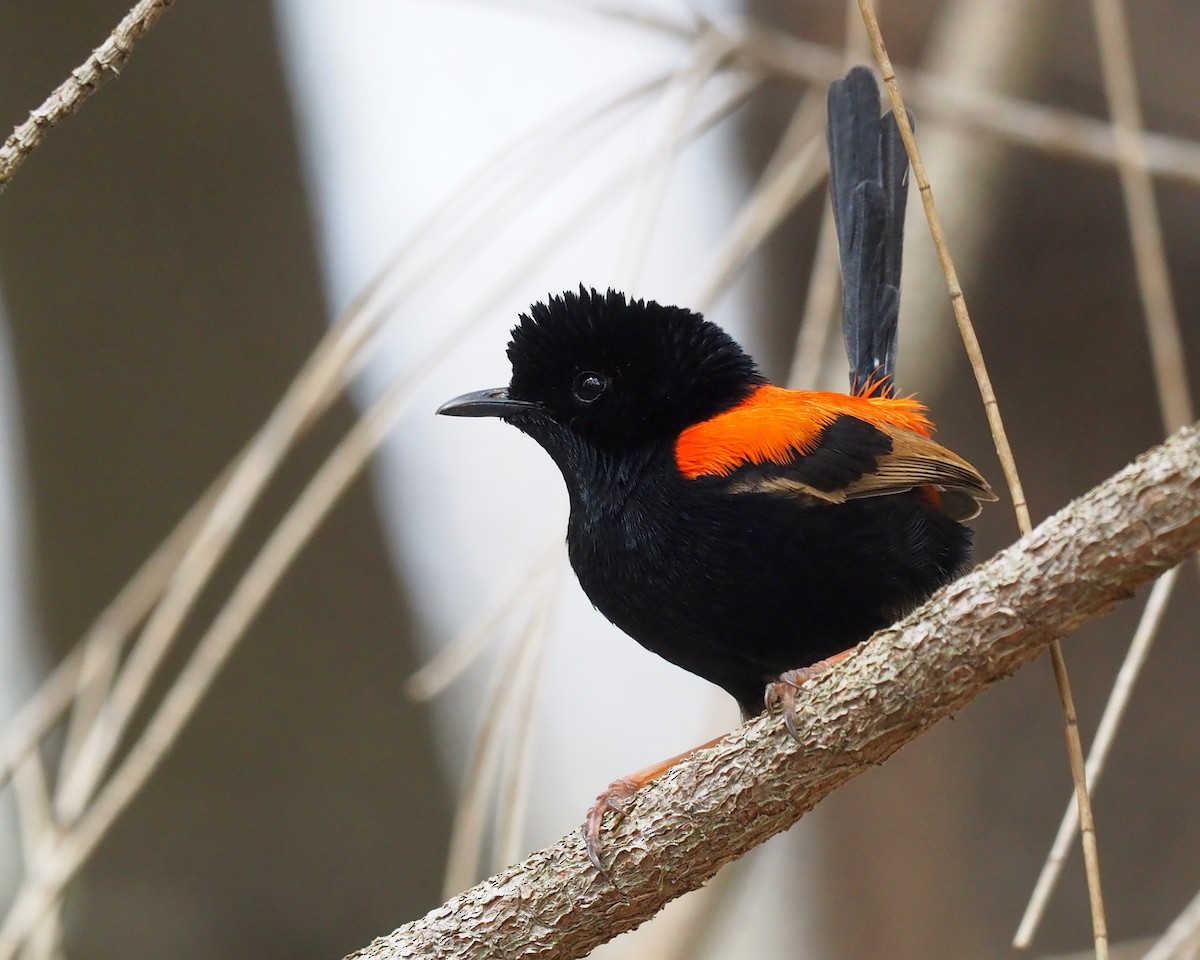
[(781, 693), (614, 797)]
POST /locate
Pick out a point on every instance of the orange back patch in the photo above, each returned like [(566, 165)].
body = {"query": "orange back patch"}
[(773, 425)]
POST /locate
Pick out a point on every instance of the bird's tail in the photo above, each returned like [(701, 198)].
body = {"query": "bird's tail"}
[(868, 177)]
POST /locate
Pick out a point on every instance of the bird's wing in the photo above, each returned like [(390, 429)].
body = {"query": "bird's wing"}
[(828, 447)]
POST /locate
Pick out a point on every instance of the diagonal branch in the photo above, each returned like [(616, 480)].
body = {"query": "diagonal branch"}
[(105, 61), (755, 783)]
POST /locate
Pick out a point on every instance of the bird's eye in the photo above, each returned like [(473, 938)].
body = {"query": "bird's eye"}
[(588, 386)]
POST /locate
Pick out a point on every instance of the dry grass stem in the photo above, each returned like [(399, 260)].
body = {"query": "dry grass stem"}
[(822, 304), (264, 572), (1145, 228), (102, 644), (337, 358), (1012, 120), (1114, 710), (40, 713), (1008, 464), (82, 674), (794, 170), (1162, 326), (1021, 122), (1181, 941), (216, 531), (448, 664), (483, 767), (709, 51), (513, 787), (36, 829)]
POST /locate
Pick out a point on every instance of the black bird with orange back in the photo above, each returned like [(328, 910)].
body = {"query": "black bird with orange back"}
[(740, 530)]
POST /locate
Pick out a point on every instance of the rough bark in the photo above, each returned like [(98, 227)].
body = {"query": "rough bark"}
[(106, 61), (756, 782)]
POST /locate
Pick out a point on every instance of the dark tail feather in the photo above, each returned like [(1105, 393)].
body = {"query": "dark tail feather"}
[(868, 181)]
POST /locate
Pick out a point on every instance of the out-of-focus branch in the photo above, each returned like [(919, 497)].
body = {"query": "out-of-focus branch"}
[(106, 60), (755, 783)]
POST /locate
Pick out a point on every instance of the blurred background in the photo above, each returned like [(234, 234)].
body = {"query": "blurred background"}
[(346, 205)]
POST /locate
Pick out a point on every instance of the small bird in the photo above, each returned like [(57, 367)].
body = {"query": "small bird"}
[(745, 532)]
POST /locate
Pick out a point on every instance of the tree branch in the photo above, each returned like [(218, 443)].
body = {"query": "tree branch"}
[(756, 782), (84, 80)]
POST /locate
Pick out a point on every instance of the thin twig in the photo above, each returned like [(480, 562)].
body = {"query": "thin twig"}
[(105, 61), (720, 803), (1008, 464)]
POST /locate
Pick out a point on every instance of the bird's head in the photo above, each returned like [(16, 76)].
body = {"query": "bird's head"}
[(597, 375)]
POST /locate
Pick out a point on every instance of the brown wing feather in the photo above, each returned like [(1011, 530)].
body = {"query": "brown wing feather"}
[(917, 461), (912, 461)]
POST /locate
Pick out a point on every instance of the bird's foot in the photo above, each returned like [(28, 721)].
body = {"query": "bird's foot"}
[(780, 694), (615, 798)]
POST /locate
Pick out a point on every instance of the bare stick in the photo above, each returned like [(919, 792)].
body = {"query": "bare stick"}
[(105, 61), (722, 802), (1008, 463)]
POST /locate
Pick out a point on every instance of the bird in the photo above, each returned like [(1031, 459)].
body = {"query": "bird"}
[(748, 533)]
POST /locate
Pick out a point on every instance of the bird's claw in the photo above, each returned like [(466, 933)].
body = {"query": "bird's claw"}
[(781, 693), (613, 798)]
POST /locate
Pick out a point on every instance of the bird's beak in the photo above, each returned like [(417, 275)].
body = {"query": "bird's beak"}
[(486, 403)]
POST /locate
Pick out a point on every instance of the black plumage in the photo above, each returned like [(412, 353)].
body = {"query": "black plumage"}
[(730, 583)]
